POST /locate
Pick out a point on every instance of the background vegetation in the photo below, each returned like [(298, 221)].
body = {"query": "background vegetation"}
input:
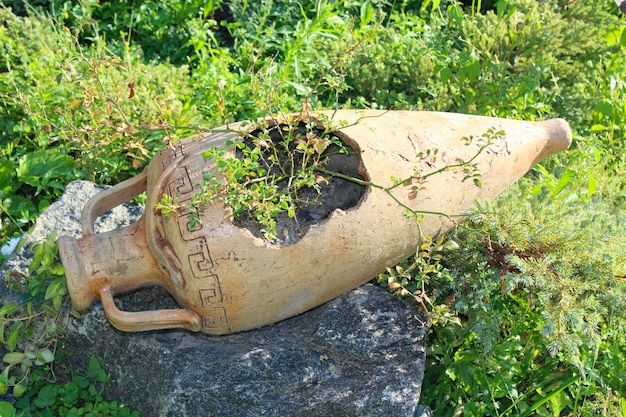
[(526, 300)]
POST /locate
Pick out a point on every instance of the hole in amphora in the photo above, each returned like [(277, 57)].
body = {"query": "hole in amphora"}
[(301, 173)]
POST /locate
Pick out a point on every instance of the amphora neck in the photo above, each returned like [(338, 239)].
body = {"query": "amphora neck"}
[(119, 260)]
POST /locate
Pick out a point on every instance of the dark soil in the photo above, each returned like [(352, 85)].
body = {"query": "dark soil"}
[(313, 206)]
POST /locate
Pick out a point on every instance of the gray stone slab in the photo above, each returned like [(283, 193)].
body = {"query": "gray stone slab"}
[(361, 354)]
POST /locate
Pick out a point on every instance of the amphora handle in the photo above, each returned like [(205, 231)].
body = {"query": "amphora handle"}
[(148, 320), (112, 197), (85, 285)]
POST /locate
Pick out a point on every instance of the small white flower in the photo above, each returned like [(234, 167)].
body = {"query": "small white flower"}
[(221, 84)]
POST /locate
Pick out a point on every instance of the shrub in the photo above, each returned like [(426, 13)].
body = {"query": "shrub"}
[(71, 111), (536, 284)]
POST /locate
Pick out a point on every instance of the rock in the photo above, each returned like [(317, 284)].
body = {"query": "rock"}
[(361, 354)]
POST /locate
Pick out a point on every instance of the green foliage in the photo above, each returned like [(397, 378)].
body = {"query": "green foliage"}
[(161, 29), (280, 167), (30, 329), (533, 283), (294, 52), (6, 409), (83, 101), (274, 166), (31, 326), (81, 396), (76, 111), (274, 39)]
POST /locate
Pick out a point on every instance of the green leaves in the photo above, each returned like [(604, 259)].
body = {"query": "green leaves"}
[(56, 291), (6, 409), (81, 396), (525, 315), (13, 358), (29, 330), (276, 170), (471, 70), (8, 309), (7, 176), (46, 397), (615, 35), (96, 372), (37, 168), (67, 111)]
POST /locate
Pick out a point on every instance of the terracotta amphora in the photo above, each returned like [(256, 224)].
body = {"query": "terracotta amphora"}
[(227, 280)]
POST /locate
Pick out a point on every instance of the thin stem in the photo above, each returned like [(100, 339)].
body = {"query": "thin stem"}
[(103, 89), (387, 190)]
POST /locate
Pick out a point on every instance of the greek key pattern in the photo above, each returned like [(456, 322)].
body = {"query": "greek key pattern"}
[(181, 185), (199, 260)]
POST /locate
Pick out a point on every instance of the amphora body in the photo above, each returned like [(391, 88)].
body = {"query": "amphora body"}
[(227, 280)]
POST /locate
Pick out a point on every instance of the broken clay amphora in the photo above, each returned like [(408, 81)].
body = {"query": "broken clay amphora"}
[(226, 280)]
